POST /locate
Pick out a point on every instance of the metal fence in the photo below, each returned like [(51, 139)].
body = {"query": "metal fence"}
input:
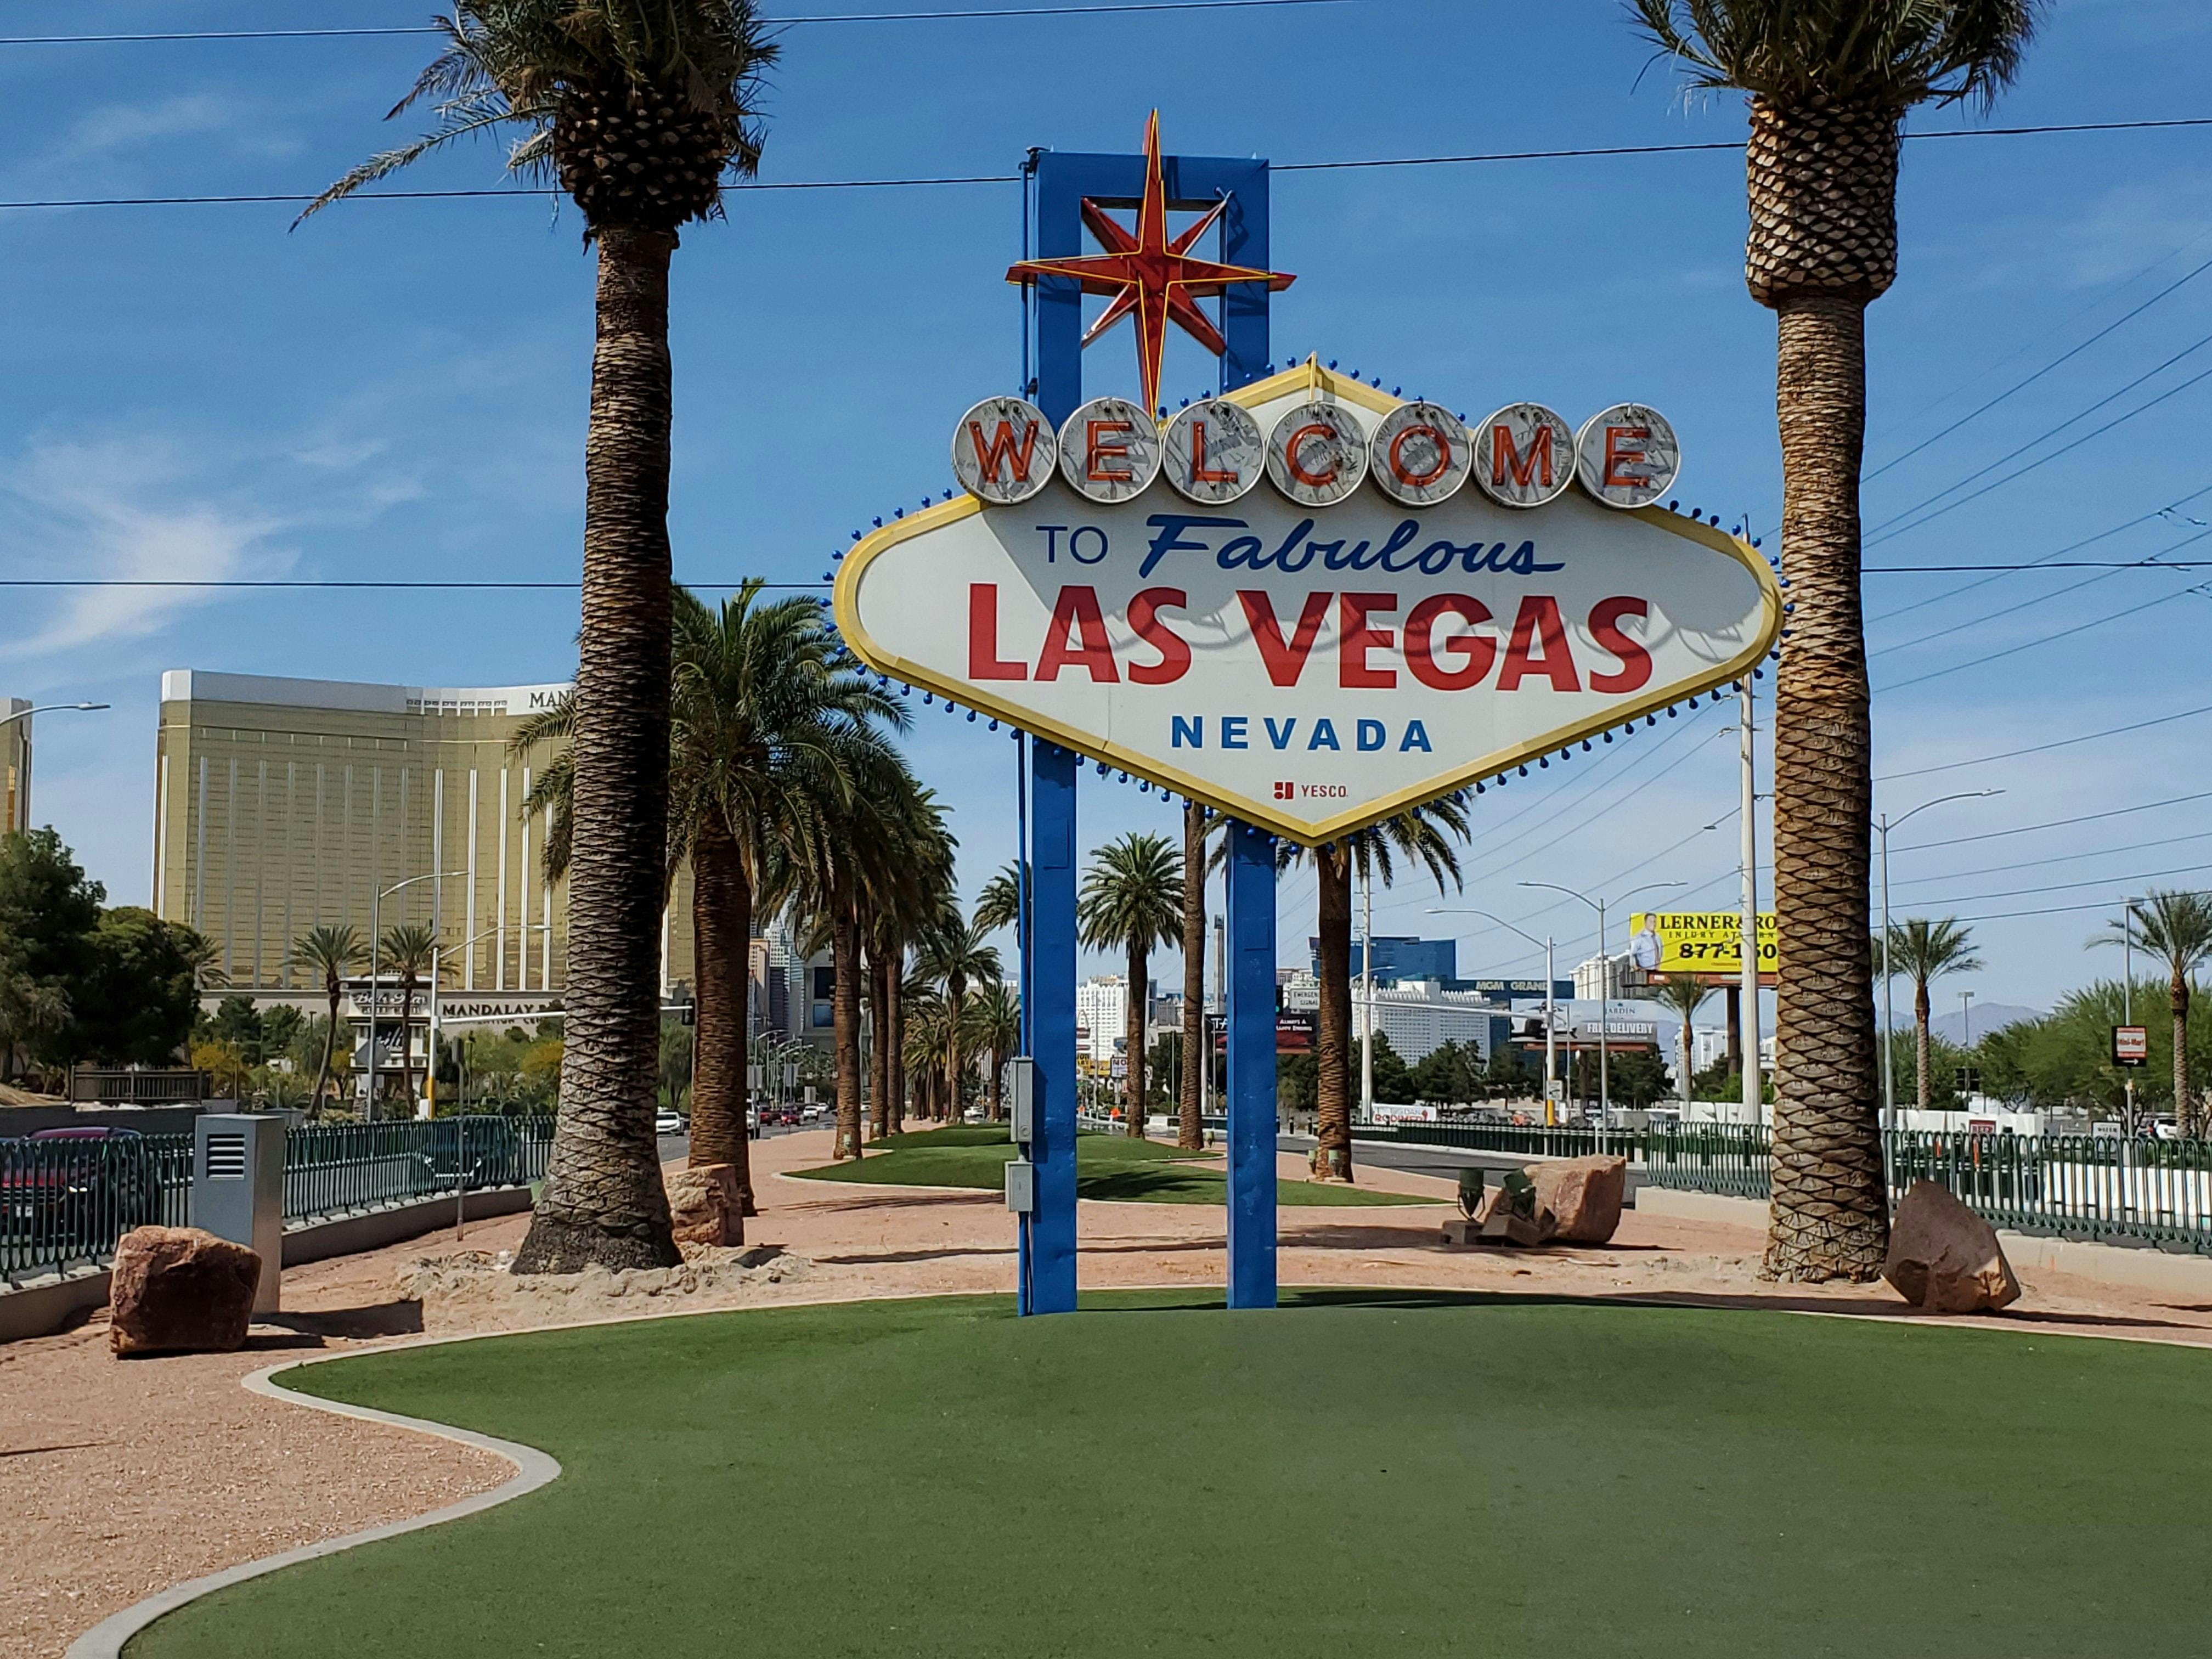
[(63, 1204), (2080, 1187)]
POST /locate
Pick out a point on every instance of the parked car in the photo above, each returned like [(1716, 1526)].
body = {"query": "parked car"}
[(668, 1123), (86, 1186)]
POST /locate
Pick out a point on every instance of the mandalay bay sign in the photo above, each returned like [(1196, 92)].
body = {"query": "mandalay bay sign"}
[(1307, 603)]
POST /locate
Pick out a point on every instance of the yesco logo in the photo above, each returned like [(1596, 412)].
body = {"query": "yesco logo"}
[(1316, 453)]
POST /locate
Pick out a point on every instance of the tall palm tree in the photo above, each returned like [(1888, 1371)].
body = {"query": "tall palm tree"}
[(1925, 952), (770, 720), (954, 956), (1829, 83), (1684, 994), (330, 952), (407, 950), (924, 1045), (2175, 928), (913, 885), (635, 108), (1425, 836), (1132, 900), (994, 1031), (1197, 1051)]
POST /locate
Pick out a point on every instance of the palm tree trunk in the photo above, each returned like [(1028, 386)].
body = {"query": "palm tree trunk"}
[(1921, 1053), (1190, 1132), (880, 1019), (721, 937), (845, 1029), (1332, 1153), (330, 1049), (998, 1085), (1133, 1009), (893, 998), (603, 1200), (1830, 1216), (2184, 1104), (956, 1003)]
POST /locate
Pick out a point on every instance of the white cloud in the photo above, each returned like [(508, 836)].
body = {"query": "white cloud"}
[(118, 510), (120, 126)]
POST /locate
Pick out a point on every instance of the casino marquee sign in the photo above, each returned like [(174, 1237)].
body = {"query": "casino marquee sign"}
[(1304, 602)]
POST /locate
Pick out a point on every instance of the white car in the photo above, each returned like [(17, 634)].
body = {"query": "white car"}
[(667, 1123)]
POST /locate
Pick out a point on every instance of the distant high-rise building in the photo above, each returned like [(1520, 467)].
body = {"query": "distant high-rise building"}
[(283, 804), (15, 765), (1398, 957)]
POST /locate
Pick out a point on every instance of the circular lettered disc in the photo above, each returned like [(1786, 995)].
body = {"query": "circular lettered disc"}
[(1626, 456), (1003, 451), (1213, 452), (1524, 455), (1419, 454), (1110, 450), (1317, 455)]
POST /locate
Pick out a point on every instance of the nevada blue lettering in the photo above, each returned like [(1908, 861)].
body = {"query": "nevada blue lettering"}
[(1417, 737), (1324, 737), (1192, 731), (1370, 736), (1233, 727), (1280, 739)]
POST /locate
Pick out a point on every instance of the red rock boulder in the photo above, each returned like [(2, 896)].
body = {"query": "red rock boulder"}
[(706, 1206), (1944, 1258), (1582, 1195), (178, 1289)]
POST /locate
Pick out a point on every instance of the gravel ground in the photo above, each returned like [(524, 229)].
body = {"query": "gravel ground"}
[(121, 1477)]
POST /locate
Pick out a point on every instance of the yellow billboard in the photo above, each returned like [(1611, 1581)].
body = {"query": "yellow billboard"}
[(1706, 943)]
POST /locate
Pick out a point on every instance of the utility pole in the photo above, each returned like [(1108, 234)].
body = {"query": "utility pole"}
[(2127, 991), (1747, 997)]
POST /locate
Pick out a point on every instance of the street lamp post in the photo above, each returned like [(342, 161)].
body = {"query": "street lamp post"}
[(375, 922), (1883, 825), (1604, 980), (1550, 1006), (26, 713)]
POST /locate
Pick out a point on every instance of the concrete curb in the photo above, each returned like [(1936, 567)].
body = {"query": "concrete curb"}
[(533, 1469)]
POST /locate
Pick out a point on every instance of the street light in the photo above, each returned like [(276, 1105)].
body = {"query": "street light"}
[(1882, 826), (1550, 984), (51, 709), (1604, 980), (375, 913)]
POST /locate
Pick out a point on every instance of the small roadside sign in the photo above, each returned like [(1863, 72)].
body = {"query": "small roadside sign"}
[(2130, 1045)]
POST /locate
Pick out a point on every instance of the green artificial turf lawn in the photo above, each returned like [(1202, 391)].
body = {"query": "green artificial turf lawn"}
[(1360, 1474), (1106, 1167)]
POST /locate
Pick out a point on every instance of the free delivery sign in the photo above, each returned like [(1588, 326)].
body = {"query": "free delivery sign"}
[(1308, 658)]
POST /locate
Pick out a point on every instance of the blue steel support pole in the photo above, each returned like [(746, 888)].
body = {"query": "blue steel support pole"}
[(1251, 1021), (1022, 960), (1050, 1280)]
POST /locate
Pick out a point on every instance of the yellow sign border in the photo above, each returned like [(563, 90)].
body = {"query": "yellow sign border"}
[(1311, 377)]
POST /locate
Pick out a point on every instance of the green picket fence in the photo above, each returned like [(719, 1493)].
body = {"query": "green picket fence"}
[(65, 1203), (2151, 1192)]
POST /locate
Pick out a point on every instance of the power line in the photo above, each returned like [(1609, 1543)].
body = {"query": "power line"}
[(772, 22), (2017, 386), (2044, 748), (2063, 910), (2058, 858), (2066, 886), (287, 199), (2030, 644)]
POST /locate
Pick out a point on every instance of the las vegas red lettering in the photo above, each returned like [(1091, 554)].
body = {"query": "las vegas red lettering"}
[(1442, 647)]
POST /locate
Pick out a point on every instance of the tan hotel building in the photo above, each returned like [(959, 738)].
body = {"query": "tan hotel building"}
[(283, 804), (15, 766)]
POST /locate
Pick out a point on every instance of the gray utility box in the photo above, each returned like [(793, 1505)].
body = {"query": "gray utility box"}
[(1021, 1186), (238, 1189), (1022, 1099)]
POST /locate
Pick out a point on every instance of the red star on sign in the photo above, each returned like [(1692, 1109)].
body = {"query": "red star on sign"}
[(1150, 277)]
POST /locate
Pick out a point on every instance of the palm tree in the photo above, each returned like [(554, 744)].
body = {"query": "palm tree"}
[(994, 1030), (998, 905), (953, 956), (635, 107), (408, 949), (1923, 951), (1133, 899), (1829, 83), (1685, 993), (1197, 821), (770, 720), (331, 952), (924, 1044), (1425, 836), (914, 885), (2175, 928)]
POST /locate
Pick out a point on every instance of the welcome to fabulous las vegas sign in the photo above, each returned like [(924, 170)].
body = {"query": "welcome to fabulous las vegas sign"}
[(1306, 602)]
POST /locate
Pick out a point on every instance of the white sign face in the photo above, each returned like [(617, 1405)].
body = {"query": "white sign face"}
[(1003, 451), (1524, 456), (1214, 452), (1420, 454), (1110, 451), (1318, 454), (1626, 456), (1308, 668)]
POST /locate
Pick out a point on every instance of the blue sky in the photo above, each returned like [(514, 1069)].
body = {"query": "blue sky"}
[(397, 389)]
